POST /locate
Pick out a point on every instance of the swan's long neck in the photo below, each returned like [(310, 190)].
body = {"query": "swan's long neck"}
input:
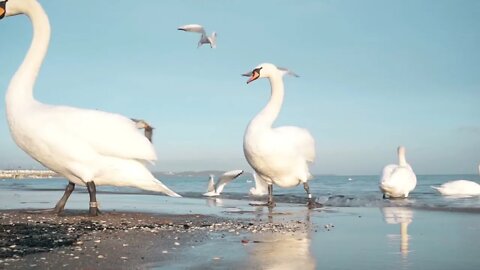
[(20, 90), (402, 161), (268, 115)]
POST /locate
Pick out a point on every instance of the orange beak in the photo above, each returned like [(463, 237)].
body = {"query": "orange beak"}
[(2, 8), (253, 76)]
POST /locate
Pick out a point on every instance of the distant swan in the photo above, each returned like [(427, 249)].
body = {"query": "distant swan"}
[(214, 189), (261, 187), (278, 155), (88, 147), (204, 39), (398, 180), (459, 188)]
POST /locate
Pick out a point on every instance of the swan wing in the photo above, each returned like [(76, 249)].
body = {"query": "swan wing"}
[(106, 133), (226, 178), (398, 180), (299, 139), (387, 172), (196, 28)]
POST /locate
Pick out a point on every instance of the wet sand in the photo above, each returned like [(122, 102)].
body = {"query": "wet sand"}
[(115, 240)]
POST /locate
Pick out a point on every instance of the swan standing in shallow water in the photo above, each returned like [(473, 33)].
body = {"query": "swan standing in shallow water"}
[(214, 189), (398, 180), (459, 188), (278, 155), (87, 147), (204, 39)]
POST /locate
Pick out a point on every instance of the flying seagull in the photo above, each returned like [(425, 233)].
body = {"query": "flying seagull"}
[(214, 189), (204, 39)]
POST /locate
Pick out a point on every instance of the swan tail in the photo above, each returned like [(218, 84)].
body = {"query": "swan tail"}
[(436, 188), (158, 186)]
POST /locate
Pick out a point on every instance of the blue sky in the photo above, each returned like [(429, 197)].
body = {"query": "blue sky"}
[(374, 75)]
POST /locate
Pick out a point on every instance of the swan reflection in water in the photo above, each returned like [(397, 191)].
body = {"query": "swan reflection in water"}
[(281, 251), (402, 216)]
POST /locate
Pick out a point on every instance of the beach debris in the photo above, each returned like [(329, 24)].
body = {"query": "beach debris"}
[(244, 241), (329, 226), (216, 258), (165, 251), (100, 256)]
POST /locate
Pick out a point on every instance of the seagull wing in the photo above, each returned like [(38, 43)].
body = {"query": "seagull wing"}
[(211, 184), (211, 187), (261, 187), (226, 178), (197, 28)]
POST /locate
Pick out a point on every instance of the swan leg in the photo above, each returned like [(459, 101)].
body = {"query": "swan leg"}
[(92, 191), (311, 201), (270, 203), (61, 203)]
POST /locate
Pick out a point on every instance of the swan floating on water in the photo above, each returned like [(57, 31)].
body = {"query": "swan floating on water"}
[(398, 180), (261, 187), (204, 39), (88, 147), (278, 155), (459, 188), (214, 189)]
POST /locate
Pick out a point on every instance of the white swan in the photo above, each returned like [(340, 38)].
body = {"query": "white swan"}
[(459, 188), (278, 155), (398, 180), (261, 187), (214, 189), (204, 39), (88, 147)]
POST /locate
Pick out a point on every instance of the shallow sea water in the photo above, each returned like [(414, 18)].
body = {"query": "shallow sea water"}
[(356, 229)]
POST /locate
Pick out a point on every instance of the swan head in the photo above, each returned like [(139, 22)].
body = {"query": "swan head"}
[(14, 7), (267, 70)]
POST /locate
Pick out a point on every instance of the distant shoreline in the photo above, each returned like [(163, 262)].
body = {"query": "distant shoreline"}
[(30, 174)]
